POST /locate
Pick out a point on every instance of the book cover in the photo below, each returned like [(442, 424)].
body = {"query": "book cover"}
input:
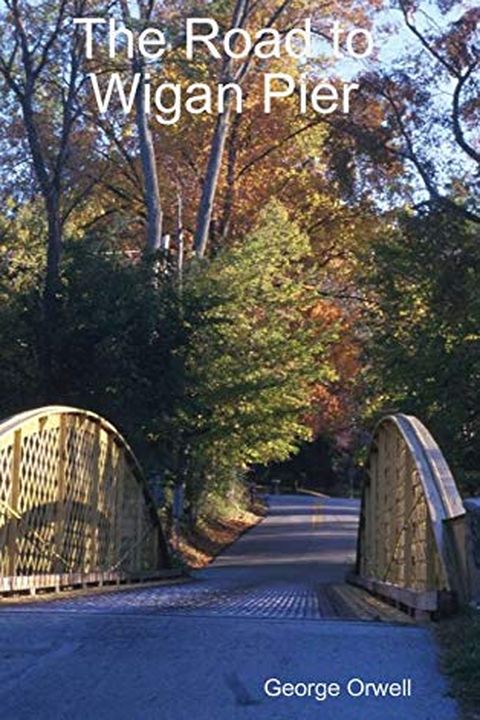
[(239, 360)]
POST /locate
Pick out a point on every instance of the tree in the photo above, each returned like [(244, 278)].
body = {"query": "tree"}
[(258, 354), (423, 349), (151, 188), (239, 16), (455, 53), (407, 110), (43, 49), (282, 16)]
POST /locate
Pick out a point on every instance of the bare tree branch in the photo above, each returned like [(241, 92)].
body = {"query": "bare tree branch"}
[(457, 127)]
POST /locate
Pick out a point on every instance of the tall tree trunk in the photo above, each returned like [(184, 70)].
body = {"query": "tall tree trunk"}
[(50, 188), (151, 189), (51, 295), (180, 237), (229, 201), (205, 209), (29, 60), (149, 168), (204, 215)]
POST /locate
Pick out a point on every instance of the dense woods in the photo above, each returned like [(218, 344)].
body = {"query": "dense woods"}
[(230, 288)]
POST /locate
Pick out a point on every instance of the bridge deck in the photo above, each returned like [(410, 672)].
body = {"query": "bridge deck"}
[(203, 648), (290, 566)]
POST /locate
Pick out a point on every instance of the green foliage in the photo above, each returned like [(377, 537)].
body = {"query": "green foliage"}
[(119, 350), (460, 645), (117, 340), (256, 354), (425, 341), (21, 273), (204, 377)]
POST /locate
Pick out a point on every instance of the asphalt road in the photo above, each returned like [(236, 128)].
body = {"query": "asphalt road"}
[(304, 540), (202, 650)]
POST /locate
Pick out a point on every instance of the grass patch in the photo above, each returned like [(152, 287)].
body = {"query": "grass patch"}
[(213, 533), (460, 652)]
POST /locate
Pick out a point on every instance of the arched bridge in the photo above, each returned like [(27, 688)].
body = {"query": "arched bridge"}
[(74, 505), (75, 509), (415, 541)]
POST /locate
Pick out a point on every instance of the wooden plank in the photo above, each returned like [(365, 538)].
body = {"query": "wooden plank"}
[(139, 530), (370, 560), (414, 496), (65, 494), (11, 585), (408, 549), (109, 480), (93, 519), (119, 486), (14, 497), (376, 608), (379, 506), (431, 556), (60, 508), (427, 601)]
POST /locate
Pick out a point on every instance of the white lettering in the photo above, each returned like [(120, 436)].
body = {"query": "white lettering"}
[(352, 35), (172, 111), (115, 83), (272, 687), (116, 34), (194, 24), (298, 42), (231, 42), (152, 38), (269, 81), (89, 25)]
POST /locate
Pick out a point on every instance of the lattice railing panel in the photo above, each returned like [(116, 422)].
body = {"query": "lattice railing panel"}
[(72, 498), (36, 500)]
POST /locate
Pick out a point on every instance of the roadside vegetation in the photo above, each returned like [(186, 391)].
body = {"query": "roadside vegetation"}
[(460, 654), (218, 525)]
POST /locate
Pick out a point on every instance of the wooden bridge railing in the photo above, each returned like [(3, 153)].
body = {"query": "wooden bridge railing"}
[(74, 505), (411, 544)]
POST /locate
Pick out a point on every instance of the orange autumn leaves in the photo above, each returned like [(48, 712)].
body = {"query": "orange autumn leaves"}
[(333, 403)]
